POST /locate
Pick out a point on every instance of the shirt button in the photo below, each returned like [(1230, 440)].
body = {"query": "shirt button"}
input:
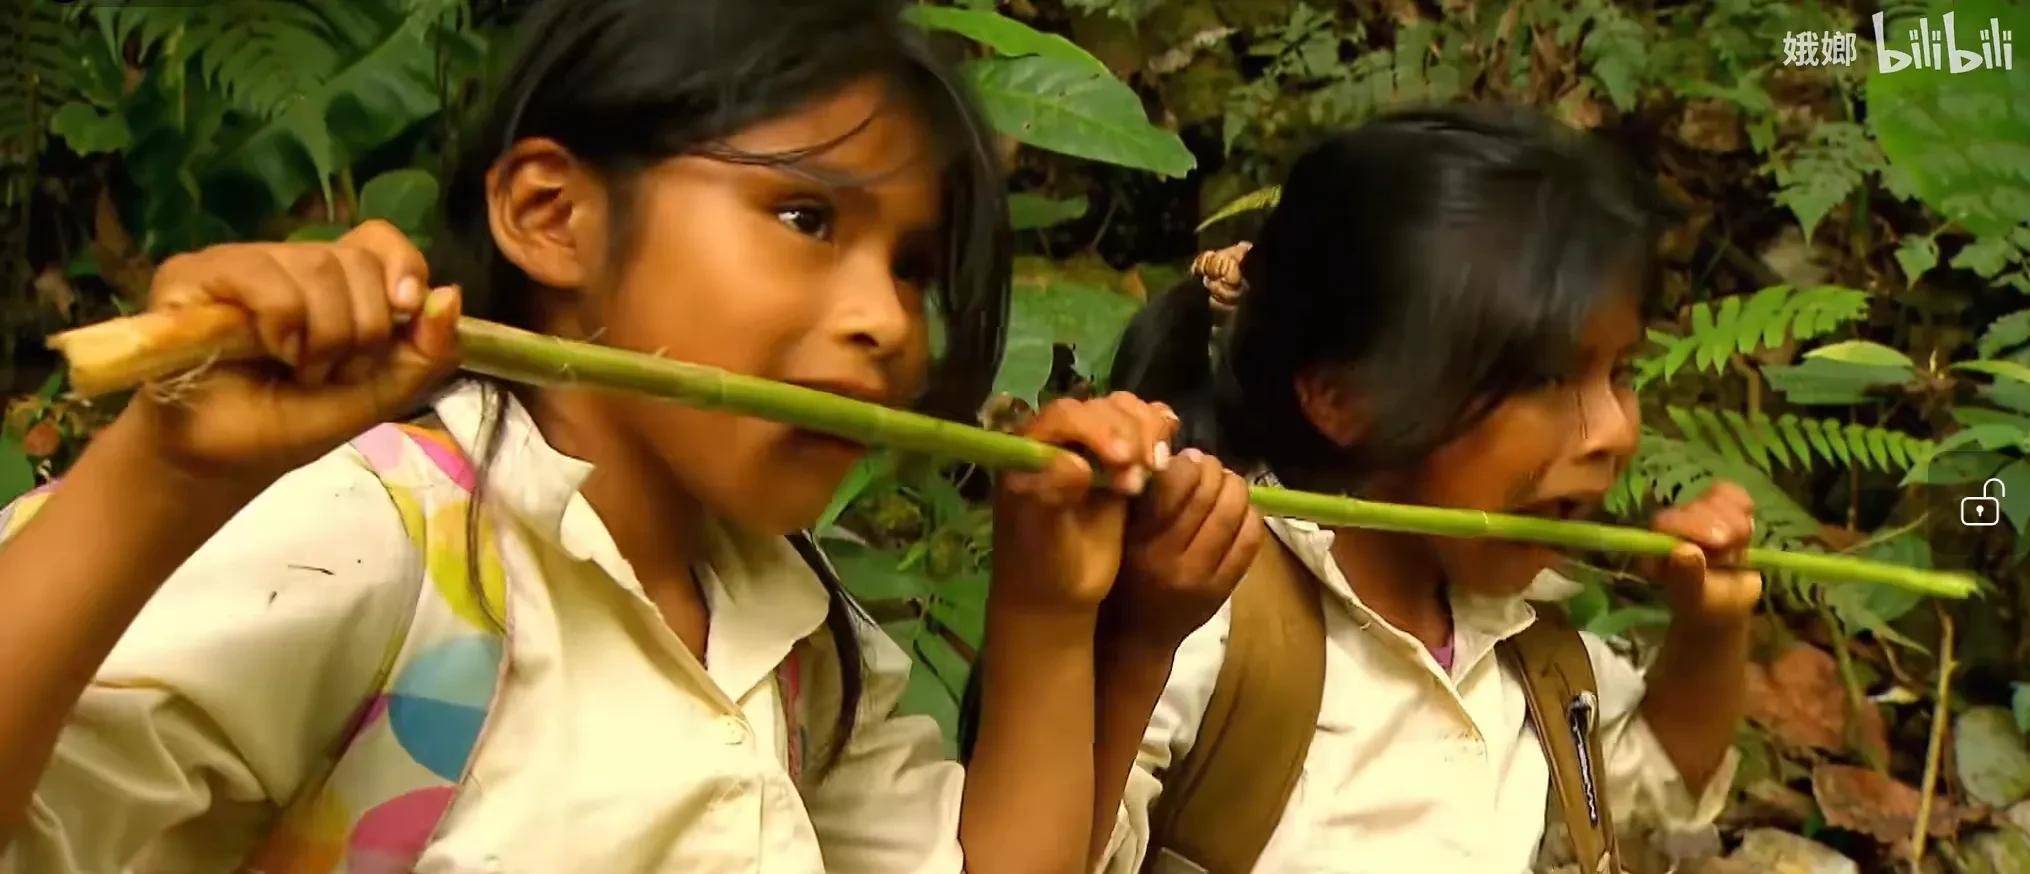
[(731, 732)]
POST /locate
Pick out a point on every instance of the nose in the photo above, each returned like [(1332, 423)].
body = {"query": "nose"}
[(873, 313), (1610, 423)]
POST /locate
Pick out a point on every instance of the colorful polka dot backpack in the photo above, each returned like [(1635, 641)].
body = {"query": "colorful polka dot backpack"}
[(383, 791)]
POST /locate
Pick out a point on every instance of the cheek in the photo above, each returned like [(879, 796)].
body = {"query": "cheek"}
[(1495, 464), (705, 300)]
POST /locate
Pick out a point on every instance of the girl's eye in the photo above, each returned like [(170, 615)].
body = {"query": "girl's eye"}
[(811, 220), (916, 269)]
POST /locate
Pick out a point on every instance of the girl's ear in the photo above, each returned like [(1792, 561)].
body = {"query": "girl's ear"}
[(1329, 401), (547, 213)]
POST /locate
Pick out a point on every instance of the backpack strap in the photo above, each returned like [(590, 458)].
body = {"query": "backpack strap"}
[(397, 767), (1221, 802), (1564, 708)]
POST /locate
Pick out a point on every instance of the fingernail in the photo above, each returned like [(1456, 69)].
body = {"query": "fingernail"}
[(1133, 481), (1160, 458), (439, 301), (408, 293), (1719, 532), (1168, 413), (292, 349), (1191, 454)]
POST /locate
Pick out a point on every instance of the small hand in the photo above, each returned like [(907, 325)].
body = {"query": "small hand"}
[(1703, 579), (1057, 539), (1191, 537)]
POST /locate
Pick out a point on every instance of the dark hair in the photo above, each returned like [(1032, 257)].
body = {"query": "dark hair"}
[(1444, 258), (625, 84)]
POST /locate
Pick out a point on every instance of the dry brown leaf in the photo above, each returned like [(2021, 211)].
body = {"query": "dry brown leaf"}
[(1710, 126), (1875, 804), (53, 290), (120, 262), (1404, 12), (41, 441), (1800, 699), (1580, 109)]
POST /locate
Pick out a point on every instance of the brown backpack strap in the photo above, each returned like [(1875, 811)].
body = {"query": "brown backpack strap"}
[(1564, 707), (1223, 800)]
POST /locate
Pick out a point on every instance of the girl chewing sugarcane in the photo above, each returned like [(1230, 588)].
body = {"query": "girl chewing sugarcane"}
[(557, 630), (1441, 310)]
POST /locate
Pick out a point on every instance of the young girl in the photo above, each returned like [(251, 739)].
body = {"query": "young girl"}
[(556, 630), (1441, 311)]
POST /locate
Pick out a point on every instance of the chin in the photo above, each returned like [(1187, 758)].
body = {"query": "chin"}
[(1506, 570)]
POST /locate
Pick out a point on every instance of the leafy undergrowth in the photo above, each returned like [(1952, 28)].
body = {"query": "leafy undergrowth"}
[(1844, 329)]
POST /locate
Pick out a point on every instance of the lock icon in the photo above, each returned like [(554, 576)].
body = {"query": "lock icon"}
[(1985, 510)]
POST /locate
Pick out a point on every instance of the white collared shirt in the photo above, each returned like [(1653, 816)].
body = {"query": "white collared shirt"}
[(611, 749), (1412, 767)]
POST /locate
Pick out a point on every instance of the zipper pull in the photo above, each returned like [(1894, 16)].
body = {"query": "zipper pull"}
[(1581, 715)]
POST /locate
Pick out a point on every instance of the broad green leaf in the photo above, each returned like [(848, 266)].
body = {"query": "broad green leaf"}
[(2006, 333), (1262, 198), (1993, 763), (1862, 352), (875, 466), (937, 678), (2016, 502), (1824, 381), (402, 197), (1997, 368), (1917, 255), (1025, 364), (1059, 105), (17, 473), (1974, 416), (1987, 256), (1588, 604), (1615, 623), (1030, 211), (320, 232), (875, 574), (961, 605), (2021, 705), (88, 131), (1963, 140), (1051, 305), (1004, 35)]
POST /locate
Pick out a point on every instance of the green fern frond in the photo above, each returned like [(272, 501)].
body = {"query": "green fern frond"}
[(1668, 471), (1740, 324), (259, 54), (1792, 442), (38, 72), (1261, 198)]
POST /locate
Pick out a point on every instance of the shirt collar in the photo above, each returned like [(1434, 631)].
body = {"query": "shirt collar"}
[(763, 596), (527, 476), (1494, 618)]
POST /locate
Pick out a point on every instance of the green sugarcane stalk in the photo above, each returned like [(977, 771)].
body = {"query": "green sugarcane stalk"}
[(522, 356), (126, 352)]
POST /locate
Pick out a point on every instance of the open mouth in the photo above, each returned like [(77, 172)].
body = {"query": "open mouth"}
[(1567, 509)]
